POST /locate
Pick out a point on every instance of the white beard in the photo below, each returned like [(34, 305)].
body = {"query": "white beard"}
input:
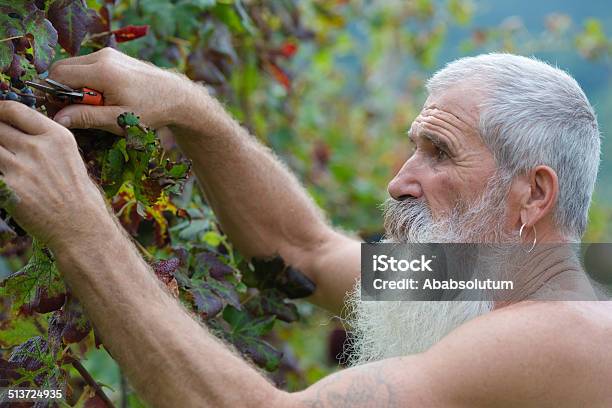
[(390, 329), (384, 329)]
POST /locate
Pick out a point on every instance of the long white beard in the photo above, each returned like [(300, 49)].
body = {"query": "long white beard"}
[(384, 329)]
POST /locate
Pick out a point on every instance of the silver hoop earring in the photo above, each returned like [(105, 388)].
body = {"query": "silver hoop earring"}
[(535, 236)]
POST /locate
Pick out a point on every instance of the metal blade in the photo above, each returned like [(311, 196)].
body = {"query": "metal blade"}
[(41, 87), (59, 85)]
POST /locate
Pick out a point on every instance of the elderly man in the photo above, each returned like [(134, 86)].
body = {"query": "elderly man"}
[(503, 144)]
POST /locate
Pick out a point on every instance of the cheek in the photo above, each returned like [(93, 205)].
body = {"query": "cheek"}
[(441, 191)]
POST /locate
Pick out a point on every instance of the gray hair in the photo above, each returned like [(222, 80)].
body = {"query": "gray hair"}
[(534, 114)]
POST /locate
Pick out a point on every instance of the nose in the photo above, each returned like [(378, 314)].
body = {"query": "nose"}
[(405, 185)]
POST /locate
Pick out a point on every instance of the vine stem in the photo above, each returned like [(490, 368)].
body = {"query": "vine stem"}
[(89, 380), (143, 250), (11, 38)]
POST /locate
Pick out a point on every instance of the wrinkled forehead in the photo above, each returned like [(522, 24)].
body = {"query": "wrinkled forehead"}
[(462, 101), (453, 113)]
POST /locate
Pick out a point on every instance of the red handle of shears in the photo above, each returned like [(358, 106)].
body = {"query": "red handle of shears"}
[(91, 97)]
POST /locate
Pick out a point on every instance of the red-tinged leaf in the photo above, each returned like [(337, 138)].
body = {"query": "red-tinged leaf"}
[(73, 20), (77, 326), (288, 49), (206, 301), (16, 69), (101, 21), (131, 32), (45, 302), (165, 270), (8, 372), (272, 302), (211, 263), (280, 75)]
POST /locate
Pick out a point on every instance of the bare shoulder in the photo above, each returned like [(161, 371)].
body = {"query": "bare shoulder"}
[(527, 355), (538, 353)]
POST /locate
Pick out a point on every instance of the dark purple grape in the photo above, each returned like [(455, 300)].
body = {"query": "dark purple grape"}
[(29, 100), (12, 96), (17, 83)]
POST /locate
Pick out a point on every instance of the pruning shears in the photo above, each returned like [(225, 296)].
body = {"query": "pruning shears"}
[(65, 94)]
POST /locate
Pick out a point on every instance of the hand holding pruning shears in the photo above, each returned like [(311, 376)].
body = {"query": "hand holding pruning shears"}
[(64, 94)]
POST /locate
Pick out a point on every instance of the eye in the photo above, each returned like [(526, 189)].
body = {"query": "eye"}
[(441, 155), (411, 148)]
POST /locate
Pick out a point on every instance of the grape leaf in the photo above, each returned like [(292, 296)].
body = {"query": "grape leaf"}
[(212, 265), (244, 324), (8, 198), (262, 353), (295, 284), (271, 272), (37, 286), (6, 54), (206, 300), (244, 332), (272, 302), (128, 119), (73, 20), (8, 373), (45, 39), (16, 330), (76, 325), (34, 362)]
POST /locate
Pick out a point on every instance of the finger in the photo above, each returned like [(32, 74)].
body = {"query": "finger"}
[(23, 118), (88, 117), (7, 160), (78, 76), (79, 60), (10, 138), (86, 59)]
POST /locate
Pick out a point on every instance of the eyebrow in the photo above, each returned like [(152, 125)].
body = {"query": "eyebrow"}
[(435, 139)]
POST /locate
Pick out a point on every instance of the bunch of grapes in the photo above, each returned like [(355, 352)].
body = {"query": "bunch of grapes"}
[(17, 91)]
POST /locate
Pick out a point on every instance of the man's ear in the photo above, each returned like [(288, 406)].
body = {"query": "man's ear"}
[(541, 191)]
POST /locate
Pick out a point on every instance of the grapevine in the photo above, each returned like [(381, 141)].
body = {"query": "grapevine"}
[(43, 330)]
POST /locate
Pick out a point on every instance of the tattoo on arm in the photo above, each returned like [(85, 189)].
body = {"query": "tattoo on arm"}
[(369, 387)]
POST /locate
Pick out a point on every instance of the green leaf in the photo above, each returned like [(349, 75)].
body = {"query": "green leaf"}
[(244, 324), (113, 166), (8, 198), (37, 287), (212, 238), (179, 170), (16, 330), (128, 119), (262, 353), (45, 39), (6, 54)]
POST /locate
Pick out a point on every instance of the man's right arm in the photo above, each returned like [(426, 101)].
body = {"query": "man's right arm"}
[(260, 204)]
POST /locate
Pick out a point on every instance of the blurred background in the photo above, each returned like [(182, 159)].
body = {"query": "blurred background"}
[(333, 86)]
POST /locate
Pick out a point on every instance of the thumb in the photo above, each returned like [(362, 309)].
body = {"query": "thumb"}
[(88, 117)]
